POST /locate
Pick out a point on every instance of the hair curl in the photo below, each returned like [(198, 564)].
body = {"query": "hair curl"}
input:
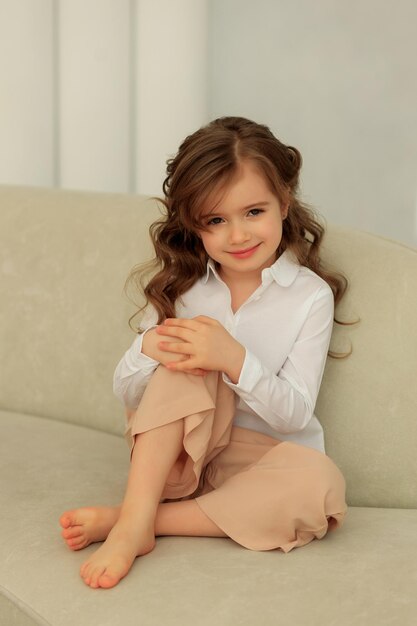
[(205, 163)]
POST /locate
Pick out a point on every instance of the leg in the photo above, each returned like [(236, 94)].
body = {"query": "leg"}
[(154, 454), (185, 519), (92, 524), (133, 524), (86, 525)]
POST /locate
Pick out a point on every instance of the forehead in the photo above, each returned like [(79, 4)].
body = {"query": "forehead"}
[(248, 186)]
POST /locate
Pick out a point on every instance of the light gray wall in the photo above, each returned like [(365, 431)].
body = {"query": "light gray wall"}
[(97, 94), (338, 80)]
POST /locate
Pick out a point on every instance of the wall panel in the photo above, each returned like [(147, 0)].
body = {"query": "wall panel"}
[(171, 82), (94, 100), (97, 94), (26, 92)]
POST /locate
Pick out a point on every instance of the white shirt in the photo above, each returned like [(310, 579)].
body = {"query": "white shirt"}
[(285, 326)]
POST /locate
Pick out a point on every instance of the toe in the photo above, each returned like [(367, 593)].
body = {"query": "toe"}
[(84, 569), (66, 519), (72, 532), (106, 580), (77, 544), (94, 578)]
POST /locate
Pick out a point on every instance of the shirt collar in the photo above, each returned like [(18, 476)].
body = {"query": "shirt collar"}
[(284, 271), (211, 269)]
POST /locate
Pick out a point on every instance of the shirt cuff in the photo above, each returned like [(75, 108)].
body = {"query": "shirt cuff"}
[(249, 376), (136, 358)]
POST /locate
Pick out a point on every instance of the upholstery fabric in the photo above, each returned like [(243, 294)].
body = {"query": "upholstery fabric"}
[(360, 574), (368, 402), (64, 258)]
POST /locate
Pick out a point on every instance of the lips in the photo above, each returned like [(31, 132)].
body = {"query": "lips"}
[(243, 254)]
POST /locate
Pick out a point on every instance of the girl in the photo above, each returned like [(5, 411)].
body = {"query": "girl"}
[(221, 383)]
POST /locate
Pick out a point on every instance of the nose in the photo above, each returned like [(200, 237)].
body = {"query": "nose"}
[(238, 233)]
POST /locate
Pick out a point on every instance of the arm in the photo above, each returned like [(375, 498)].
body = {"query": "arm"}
[(206, 343), (133, 373), (139, 363), (286, 400)]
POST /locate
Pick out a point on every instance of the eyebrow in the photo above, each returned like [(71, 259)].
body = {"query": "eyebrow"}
[(253, 205)]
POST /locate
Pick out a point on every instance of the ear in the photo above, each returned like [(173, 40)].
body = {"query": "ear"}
[(284, 211)]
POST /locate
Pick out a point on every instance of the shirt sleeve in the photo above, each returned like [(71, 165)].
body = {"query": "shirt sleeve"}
[(286, 400), (135, 369)]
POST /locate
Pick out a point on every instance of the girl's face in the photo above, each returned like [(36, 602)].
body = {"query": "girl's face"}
[(244, 229)]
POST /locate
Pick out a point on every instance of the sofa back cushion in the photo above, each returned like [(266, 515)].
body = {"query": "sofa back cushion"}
[(64, 317), (368, 401), (64, 258)]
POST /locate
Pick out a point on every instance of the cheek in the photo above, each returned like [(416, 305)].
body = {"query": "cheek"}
[(273, 225), (207, 240), (274, 230)]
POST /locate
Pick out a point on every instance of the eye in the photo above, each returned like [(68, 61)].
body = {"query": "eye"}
[(214, 221), (255, 212)]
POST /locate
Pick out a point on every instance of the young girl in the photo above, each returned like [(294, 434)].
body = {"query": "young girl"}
[(221, 383)]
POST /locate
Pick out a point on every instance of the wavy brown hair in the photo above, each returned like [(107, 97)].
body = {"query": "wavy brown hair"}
[(204, 165)]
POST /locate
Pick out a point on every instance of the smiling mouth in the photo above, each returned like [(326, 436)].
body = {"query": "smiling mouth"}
[(244, 251)]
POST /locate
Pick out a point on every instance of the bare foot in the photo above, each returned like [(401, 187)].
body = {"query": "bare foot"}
[(87, 525), (113, 560)]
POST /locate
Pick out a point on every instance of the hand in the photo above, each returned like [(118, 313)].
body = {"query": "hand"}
[(205, 342), (151, 349)]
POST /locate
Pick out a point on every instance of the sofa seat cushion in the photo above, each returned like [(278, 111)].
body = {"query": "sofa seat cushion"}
[(49, 466)]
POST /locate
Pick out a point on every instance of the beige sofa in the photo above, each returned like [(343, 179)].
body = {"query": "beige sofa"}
[(64, 257)]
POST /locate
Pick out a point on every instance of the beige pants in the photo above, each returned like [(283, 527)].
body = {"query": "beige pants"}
[(262, 492)]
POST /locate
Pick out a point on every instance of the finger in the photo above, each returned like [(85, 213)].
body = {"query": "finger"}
[(181, 323), (171, 346), (174, 331), (204, 319)]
